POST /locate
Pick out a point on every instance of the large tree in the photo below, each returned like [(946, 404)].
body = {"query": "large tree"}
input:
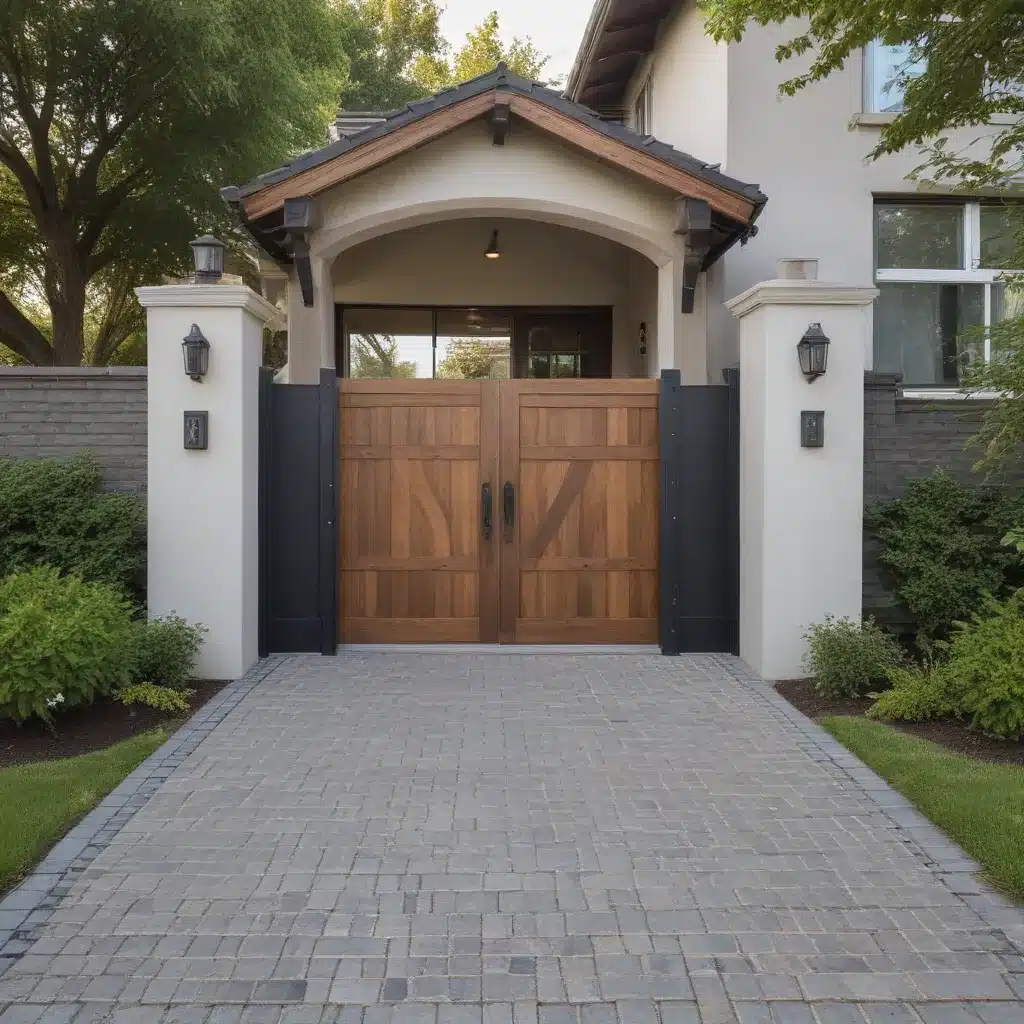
[(480, 53), (384, 40), (119, 122)]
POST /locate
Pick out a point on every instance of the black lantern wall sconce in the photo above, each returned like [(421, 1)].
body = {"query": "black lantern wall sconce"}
[(812, 350), (196, 353)]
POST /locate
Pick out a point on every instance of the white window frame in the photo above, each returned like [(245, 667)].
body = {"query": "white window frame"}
[(970, 273), (643, 106), (868, 90)]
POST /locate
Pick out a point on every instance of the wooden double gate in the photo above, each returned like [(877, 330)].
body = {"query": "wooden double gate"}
[(513, 511), (518, 511)]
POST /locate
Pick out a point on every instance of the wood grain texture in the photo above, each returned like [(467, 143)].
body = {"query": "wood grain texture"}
[(580, 563), (410, 512)]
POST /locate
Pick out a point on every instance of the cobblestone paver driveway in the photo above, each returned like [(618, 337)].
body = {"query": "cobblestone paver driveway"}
[(507, 839)]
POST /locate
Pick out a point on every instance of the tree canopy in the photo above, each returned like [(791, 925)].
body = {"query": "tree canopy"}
[(119, 122), (480, 53)]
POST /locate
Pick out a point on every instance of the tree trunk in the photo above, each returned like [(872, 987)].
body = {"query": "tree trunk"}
[(65, 291)]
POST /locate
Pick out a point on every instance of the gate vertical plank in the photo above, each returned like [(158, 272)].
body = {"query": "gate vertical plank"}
[(671, 565), (509, 541), (490, 550), (329, 472)]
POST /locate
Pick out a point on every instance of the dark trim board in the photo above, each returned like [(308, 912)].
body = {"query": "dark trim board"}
[(699, 571), (298, 489)]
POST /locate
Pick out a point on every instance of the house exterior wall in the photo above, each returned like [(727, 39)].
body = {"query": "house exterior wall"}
[(57, 411), (541, 264), (808, 153)]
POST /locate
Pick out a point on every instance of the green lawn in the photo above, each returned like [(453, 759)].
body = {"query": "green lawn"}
[(39, 802), (979, 804)]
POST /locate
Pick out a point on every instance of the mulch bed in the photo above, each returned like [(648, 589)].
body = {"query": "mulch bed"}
[(949, 733), (94, 727)]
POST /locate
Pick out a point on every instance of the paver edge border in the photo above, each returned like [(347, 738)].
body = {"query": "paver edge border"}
[(950, 865), (24, 909)]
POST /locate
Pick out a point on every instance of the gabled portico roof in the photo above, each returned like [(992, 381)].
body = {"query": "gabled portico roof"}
[(735, 205)]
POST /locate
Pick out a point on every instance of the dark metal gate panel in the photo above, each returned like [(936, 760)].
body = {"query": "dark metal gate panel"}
[(298, 460), (699, 577)]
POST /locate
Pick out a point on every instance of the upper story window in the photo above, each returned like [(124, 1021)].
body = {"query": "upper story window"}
[(883, 67), (940, 269), (643, 110)]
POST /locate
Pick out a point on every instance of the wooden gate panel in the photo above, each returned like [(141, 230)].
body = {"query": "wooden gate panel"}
[(413, 455), (582, 562)]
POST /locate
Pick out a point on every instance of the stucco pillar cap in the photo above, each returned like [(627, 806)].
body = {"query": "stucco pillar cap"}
[(782, 292), (208, 296)]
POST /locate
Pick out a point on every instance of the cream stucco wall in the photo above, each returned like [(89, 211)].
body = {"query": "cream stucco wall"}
[(806, 152), (534, 185)]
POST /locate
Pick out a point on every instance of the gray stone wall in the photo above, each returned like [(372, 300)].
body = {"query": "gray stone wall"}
[(905, 438), (55, 411)]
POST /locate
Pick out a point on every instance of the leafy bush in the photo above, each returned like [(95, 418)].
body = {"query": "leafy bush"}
[(62, 642), (847, 656), (163, 698), (53, 512), (941, 543), (919, 694), (164, 650), (983, 678)]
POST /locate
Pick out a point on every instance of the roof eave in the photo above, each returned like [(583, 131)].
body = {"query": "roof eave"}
[(588, 44)]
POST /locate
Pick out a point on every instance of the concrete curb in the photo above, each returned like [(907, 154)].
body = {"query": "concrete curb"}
[(950, 865), (30, 905)]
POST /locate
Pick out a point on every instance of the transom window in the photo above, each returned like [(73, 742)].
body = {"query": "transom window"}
[(940, 270)]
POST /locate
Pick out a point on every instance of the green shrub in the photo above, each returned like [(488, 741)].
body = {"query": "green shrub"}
[(941, 545), (163, 698), (919, 694), (53, 512), (986, 658), (164, 650), (847, 656), (63, 642), (983, 676)]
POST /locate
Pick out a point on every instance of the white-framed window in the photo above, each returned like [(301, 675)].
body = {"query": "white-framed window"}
[(940, 268), (883, 67), (643, 110)]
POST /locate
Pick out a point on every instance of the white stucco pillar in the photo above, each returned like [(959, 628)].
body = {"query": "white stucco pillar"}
[(801, 509), (310, 328), (670, 327), (203, 505)]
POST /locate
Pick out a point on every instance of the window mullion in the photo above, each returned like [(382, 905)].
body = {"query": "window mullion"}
[(972, 235), (988, 323)]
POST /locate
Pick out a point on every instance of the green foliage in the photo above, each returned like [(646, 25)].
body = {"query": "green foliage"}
[(472, 359), (164, 650), (847, 656), (983, 677), (481, 52), (162, 698), (375, 356), (986, 660), (384, 39), (918, 695), (62, 642), (121, 113), (941, 543), (52, 512)]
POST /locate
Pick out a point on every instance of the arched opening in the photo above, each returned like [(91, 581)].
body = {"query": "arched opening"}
[(493, 295)]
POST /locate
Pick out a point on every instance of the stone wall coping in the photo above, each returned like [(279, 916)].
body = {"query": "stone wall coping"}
[(51, 372), (208, 296), (785, 292)]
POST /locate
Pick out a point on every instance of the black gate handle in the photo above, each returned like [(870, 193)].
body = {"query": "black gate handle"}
[(487, 501), (510, 505)]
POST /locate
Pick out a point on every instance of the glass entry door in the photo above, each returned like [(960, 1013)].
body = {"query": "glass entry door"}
[(563, 345)]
